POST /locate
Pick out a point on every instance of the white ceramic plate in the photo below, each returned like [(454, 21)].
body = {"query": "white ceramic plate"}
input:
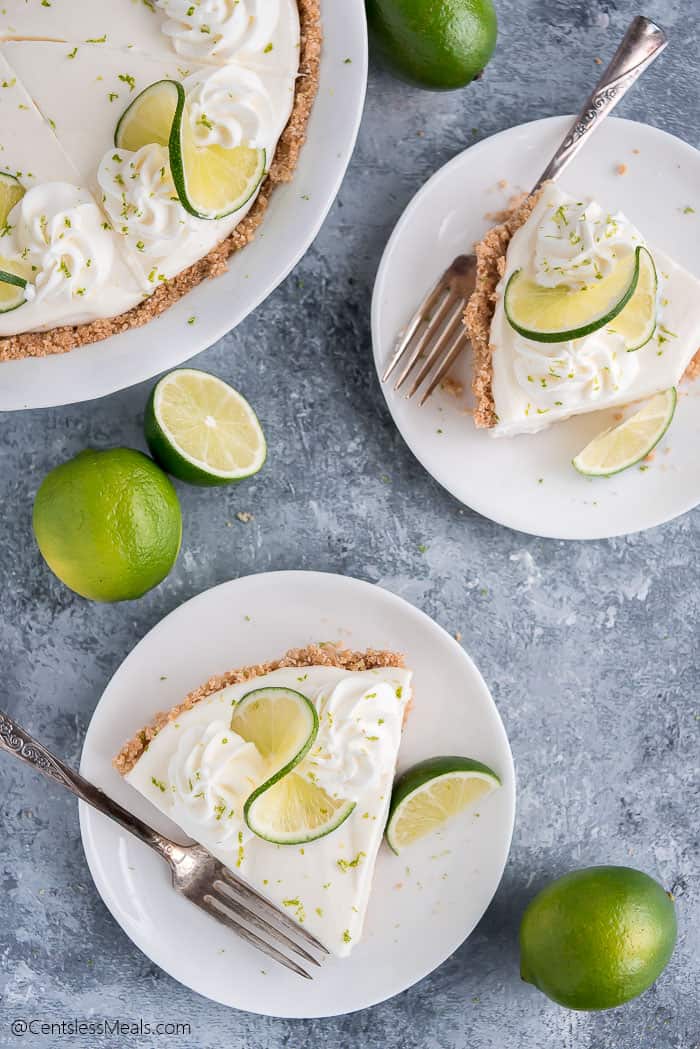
[(293, 219), (416, 919), (528, 482)]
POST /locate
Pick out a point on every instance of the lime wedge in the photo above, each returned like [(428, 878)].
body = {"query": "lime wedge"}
[(11, 191), (287, 808), (212, 181), (14, 277), (636, 322), (427, 795), (151, 116), (561, 313), (203, 431), (630, 441)]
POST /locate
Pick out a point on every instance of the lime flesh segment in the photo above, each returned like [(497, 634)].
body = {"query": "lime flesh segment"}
[(151, 116), (427, 795), (11, 192), (561, 313), (289, 810), (203, 431), (629, 442), (636, 322), (14, 276), (212, 181), (281, 722)]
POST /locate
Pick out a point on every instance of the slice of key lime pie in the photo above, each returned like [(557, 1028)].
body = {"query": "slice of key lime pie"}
[(172, 120), (573, 312), (284, 772)]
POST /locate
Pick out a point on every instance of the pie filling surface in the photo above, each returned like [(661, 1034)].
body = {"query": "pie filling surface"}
[(200, 773), (99, 230)]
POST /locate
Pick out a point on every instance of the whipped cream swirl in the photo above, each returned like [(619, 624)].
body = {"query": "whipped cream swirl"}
[(229, 108), (217, 29), (140, 198), (58, 230), (211, 774), (557, 375), (357, 738), (577, 243)]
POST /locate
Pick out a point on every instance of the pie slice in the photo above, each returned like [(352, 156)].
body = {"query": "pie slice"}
[(200, 773), (573, 312)]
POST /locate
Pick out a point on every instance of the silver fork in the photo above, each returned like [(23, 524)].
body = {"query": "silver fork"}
[(195, 873), (435, 335)]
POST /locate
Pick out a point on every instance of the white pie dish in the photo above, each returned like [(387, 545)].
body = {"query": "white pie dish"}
[(416, 919), (293, 219)]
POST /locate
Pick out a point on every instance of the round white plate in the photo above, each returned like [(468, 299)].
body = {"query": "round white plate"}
[(528, 482), (294, 217), (416, 917)]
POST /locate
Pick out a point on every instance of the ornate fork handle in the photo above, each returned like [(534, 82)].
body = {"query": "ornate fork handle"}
[(642, 43), (15, 740)]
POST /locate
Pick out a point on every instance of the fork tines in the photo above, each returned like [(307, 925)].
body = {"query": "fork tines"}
[(435, 335), (257, 921)]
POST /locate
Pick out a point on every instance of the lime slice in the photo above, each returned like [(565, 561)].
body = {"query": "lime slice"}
[(203, 431), (431, 792), (630, 441), (11, 191), (151, 116), (561, 313), (212, 181), (289, 810), (14, 277), (286, 809), (636, 323)]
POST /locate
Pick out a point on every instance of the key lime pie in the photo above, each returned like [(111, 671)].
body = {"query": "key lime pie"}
[(284, 772), (574, 312), (139, 145)]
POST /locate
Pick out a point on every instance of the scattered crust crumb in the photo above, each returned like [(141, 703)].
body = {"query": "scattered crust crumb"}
[(621, 169), (490, 267), (458, 635), (502, 183), (68, 337), (452, 387), (324, 654), (636, 152), (693, 369), (245, 517), (598, 61)]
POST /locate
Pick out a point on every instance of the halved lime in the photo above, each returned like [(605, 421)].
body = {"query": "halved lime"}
[(211, 181), (562, 313), (629, 442), (14, 277), (11, 191), (151, 116), (290, 810), (431, 792), (203, 431)]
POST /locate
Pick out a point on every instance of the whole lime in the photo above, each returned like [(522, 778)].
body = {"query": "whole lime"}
[(598, 937), (438, 44), (108, 524)]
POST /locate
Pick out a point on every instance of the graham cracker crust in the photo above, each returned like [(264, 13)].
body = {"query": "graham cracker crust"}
[(63, 339), (326, 655), (490, 267)]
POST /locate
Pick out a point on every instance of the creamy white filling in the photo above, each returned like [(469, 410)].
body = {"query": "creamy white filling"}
[(572, 241), (200, 773)]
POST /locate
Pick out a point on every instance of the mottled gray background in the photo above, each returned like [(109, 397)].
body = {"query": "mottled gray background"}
[(590, 649)]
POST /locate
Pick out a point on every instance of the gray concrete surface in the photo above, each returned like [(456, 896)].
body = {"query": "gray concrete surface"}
[(590, 649)]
